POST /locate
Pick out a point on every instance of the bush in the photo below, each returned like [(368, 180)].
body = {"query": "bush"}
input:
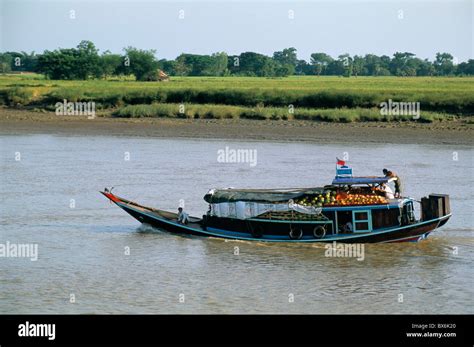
[(18, 96), (71, 95), (209, 111)]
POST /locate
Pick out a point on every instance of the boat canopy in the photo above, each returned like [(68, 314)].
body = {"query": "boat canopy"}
[(362, 180), (215, 196)]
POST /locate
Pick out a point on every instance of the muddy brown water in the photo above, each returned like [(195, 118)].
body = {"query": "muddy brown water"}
[(93, 252)]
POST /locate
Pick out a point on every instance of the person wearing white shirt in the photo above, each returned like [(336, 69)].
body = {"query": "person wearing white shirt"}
[(183, 217), (388, 191)]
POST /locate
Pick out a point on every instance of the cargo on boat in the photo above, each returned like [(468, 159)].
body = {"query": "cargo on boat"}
[(350, 209)]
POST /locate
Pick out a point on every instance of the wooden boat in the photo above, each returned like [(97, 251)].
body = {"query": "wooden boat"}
[(299, 215)]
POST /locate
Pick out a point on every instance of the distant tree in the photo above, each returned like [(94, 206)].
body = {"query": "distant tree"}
[(58, 64), (180, 67), (372, 64), (266, 67), (320, 62), (303, 68), (233, 64), (342, 66), (219, 64), (84, 62), (5, 62), (384, 68), (466, 68), (199, 65), (286, 61), (168, 66), (283, 70), (205, 65), (110, 64), (87, 61), (444, 64), (140, 63), (425, 68), (358, 66), (23, 61), (255, 64), (286, 57), (399, 65), (412, 66), (383, 71), (346, 63), (76, 63)]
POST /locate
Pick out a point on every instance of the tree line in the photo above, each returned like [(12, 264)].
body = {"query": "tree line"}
[(85, 62)]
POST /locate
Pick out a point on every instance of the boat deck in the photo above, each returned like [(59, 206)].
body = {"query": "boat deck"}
[(171, 217)]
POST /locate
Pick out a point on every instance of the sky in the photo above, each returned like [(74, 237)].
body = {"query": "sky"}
[(423, 27)]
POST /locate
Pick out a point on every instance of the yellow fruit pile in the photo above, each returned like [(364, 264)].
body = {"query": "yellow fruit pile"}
[(331, 198), (358, 199)]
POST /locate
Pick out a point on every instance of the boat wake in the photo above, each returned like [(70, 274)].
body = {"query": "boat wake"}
[(147, 228)]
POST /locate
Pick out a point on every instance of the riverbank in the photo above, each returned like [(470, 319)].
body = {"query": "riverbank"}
[(435, 95), (447, 132)]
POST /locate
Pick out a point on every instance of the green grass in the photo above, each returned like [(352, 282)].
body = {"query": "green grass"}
[(210, 111), (443, 95)]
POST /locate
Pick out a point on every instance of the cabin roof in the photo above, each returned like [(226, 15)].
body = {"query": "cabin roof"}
[(371, 180)]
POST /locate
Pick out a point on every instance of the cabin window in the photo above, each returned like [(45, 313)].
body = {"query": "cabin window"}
[(362, 226), (361, 216), (362, 221)]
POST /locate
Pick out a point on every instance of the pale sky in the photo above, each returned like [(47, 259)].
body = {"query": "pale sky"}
[(334, 27)]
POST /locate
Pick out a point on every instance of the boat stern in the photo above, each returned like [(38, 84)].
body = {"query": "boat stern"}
[(435, 206)]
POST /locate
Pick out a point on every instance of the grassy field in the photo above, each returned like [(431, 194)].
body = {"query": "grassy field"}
[(313, 98)]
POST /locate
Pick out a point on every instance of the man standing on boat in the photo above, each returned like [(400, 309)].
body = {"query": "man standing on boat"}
[(397, 182)]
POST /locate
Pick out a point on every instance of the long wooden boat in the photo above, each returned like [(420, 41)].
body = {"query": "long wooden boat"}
[(305, 214)]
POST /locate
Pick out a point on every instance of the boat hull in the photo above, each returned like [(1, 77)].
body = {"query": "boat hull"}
[(165, 221)]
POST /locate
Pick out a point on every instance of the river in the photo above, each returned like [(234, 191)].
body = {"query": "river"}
[(94, 258)]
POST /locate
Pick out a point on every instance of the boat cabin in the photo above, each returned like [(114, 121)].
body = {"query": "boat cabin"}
[(349, 205), (389, 213)]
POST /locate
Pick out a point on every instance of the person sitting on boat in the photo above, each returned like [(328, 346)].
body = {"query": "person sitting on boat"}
[(397, 182), (347, 228), (387, 191), (183, 217)]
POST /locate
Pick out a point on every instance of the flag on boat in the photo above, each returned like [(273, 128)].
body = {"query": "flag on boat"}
[(340, 162)]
